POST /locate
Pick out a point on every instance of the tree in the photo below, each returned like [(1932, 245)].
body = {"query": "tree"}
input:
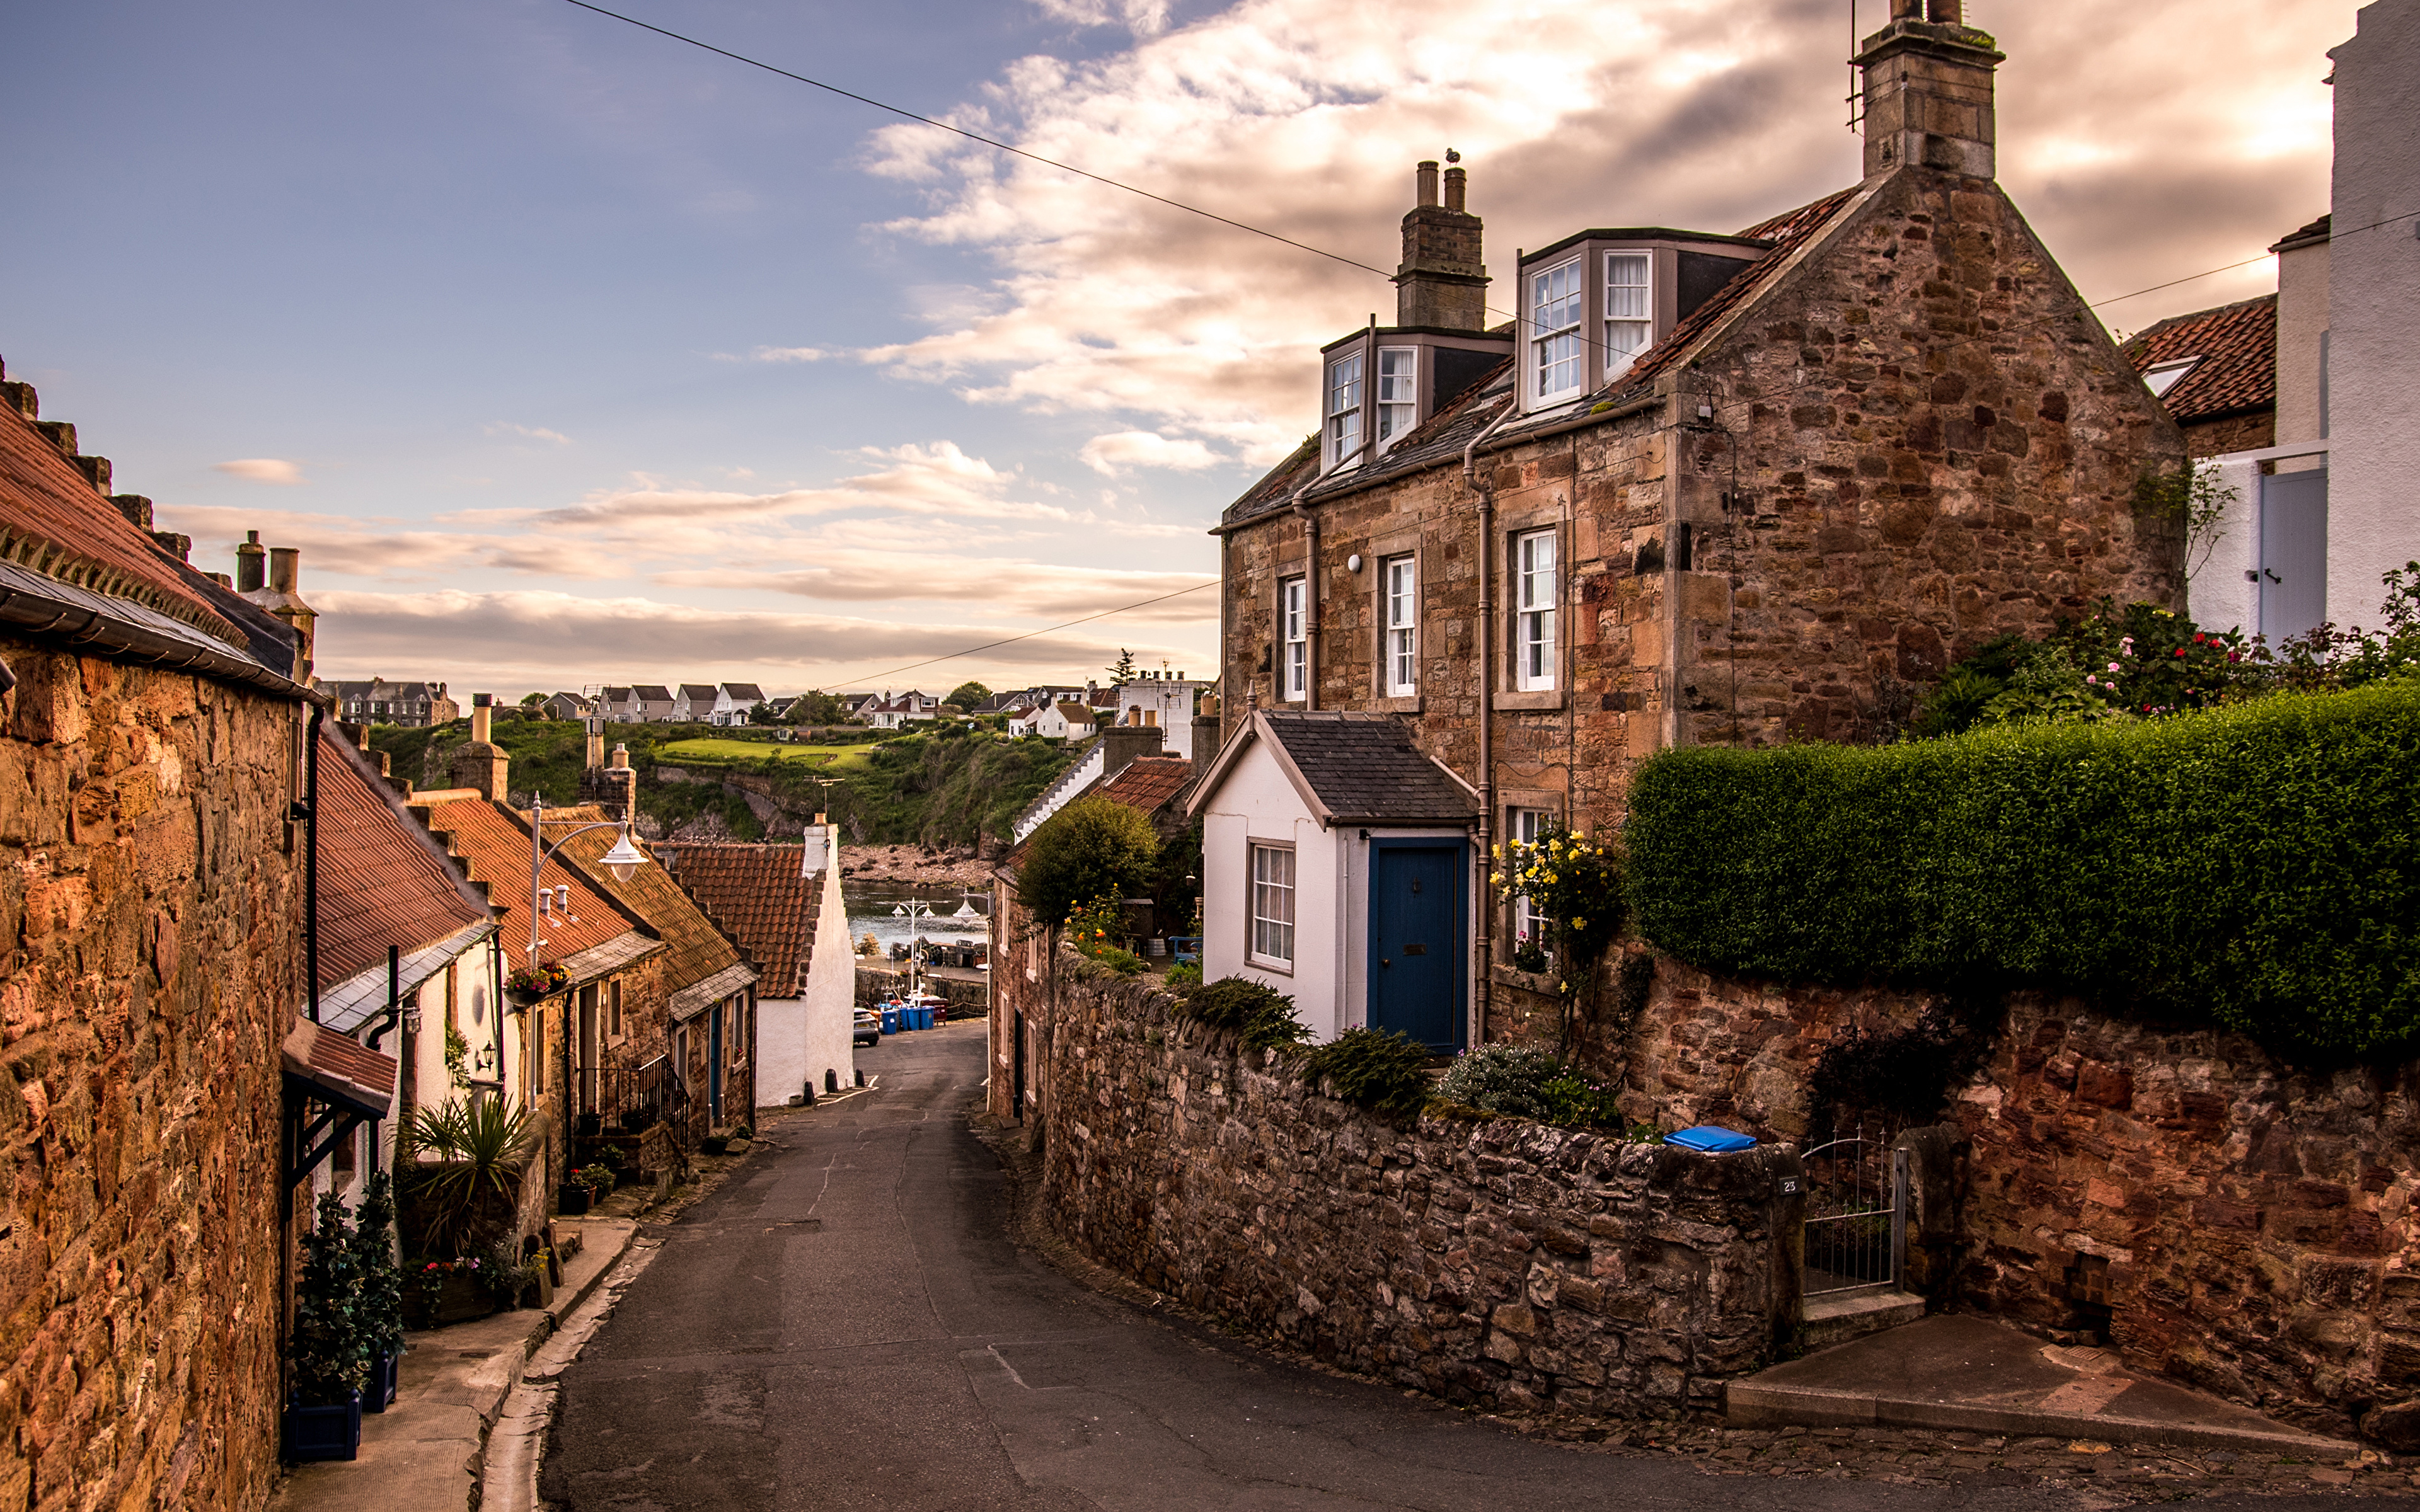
[(533, 699), (816, 707), (1092, 848), (1124, 670), (968, 694)]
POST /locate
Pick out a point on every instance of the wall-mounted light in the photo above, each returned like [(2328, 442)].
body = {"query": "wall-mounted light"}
[(1352, 563)]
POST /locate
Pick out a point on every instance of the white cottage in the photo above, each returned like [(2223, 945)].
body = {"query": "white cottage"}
[(1337, 866)]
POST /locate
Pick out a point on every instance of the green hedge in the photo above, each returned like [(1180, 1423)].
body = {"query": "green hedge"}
[(2257, 863)]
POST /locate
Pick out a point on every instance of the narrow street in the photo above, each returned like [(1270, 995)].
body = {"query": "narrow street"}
[(846, 1324)]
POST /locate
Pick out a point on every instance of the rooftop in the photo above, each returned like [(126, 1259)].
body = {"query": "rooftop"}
[(382, 880), (2237, 370), (1352, 768), (758, 895)]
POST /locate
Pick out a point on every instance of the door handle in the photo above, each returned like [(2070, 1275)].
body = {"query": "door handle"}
[(2270, 576), (1384, 962)]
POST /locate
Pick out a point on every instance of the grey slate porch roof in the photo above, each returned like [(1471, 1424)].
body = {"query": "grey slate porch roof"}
[(1352, 768)]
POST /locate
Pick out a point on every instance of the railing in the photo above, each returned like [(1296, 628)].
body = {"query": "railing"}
[(627, 1099), (1856, 1215)]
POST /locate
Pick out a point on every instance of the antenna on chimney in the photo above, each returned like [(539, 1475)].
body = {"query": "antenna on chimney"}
[(1855, 80)]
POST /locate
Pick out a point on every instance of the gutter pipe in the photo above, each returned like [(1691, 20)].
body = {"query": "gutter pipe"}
[(1487, 492)]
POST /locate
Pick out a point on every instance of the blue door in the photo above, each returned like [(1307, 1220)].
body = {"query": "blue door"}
[(1419, 920), (714, 1065)]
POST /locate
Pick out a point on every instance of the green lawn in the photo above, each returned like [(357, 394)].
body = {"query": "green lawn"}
[(710, 750)]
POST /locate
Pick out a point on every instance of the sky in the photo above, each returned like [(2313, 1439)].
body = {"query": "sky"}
[(569, 354)]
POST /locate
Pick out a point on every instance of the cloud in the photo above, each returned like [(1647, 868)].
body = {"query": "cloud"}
[(776, 354), (514, 642), (535, 433), (1014, 586), (936, 479), (1106, 455), (1144, 17), (276, 470), (1304, 119)]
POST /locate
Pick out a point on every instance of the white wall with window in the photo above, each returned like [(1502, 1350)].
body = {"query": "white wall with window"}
[(1269, 906), (1535, 597), (1400, 615), (1553, 368), (1294, 638), (1343, 410)]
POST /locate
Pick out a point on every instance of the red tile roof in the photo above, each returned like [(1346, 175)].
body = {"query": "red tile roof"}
[(382, 880), (698, 950), (341, 1069), (1149, 783), (53, 521), (494, 843), (2237, 347), (755, 895)]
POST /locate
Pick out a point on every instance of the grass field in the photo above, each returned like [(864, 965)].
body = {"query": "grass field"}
[(748, 752)]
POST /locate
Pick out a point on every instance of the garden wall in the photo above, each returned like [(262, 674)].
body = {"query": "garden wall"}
[(2246, 1223), (1496, 1263)]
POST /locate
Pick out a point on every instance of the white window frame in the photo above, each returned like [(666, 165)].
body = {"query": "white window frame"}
[(1294, 639), (1525, 825), (1557, 349), (1398, 592), (1270, 881), (1639, 323), (1343, 393), (1536, 603), (1398, 395)]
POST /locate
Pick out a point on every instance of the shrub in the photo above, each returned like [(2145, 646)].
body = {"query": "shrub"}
[(330, 1345), (1573, 885), (1092, 848), (1183, 975), (382, 1283), (2259, 863), (1382, 1071), (1262, 1016), (1501, 1079)]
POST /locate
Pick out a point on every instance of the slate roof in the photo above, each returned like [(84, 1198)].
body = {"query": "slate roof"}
[(1351, 766), (698, 692), (698, 950), (1441, 437), (493, 843), (758, 896), (2237, 347), (382, 880), (744, 692), (653, 692), (2304, 236)]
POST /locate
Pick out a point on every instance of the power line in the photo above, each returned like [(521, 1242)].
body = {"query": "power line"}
[(990, 142), (956, 655)]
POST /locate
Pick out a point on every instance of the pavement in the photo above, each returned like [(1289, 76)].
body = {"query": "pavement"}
[(1965, 1373), (425, 1453), (849, 1321)]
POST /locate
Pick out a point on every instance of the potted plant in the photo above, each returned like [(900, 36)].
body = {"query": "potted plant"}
[(381, 1309), (525, 985), (331, 1358), (597, 1177)]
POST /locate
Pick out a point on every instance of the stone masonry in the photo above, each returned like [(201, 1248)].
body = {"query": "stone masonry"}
[(151, 908), (2223, 1217), (1495, 1262)]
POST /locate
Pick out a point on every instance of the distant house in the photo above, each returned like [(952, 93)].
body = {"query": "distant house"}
[(410, 706), (565, 706), (1023, 723), (654, 701), (736, 702), (1164, 701), (884, 712), (694, 703), (1059, 721)]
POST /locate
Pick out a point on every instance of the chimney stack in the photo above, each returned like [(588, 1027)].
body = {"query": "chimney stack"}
[(1926, 85), (614, 787), (482, 765), (251, 560), (1442, 283), (278, 591)]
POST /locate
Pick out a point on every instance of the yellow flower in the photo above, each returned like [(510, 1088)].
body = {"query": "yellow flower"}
[(1496, 879), (1580, 923)]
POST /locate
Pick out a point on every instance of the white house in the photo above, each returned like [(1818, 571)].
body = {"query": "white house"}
[(781, 903), (735, 702), (1058, 721), (1338, 868), (1167, 701)]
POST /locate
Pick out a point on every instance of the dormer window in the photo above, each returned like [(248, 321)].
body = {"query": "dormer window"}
[(1344, 408), (1399, 392), (1553, 368), (1629, 309), (2162, 377)]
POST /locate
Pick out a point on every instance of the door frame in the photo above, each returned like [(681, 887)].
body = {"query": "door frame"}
[(1460, 845)]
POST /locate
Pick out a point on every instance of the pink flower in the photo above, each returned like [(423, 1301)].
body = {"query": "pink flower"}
[(2112, 666)]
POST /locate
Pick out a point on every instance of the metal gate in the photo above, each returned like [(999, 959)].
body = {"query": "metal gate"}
[(1856, 1215)]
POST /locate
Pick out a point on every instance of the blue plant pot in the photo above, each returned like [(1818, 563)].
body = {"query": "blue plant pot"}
[(386, 1375), (324, 1432)]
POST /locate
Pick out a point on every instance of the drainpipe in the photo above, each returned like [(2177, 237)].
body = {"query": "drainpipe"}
[(311, 856), (1311, 581), (1487, 492)]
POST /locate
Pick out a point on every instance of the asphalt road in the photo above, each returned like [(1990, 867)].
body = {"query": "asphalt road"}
[(846, 1324)]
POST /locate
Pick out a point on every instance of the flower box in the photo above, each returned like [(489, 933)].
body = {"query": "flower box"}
[(324, 1432)]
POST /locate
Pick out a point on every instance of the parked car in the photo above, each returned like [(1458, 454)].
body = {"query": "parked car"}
[(869, 1028)]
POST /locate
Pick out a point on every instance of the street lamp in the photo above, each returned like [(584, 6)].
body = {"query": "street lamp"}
[(913, 910), (622, 860)]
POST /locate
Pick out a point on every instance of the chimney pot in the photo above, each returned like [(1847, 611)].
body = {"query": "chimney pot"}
[(285, 568), (251, 565), (1457, 184), (1425, 176), (482, 724)]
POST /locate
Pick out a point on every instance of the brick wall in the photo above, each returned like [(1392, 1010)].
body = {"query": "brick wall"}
[(2249, 1222), (1495, 1262), (152, 915)]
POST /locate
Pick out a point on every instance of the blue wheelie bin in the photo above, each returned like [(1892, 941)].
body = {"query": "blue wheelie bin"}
[(890, 1019)]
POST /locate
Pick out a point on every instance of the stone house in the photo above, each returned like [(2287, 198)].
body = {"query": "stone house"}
[(413, 705), (782, 905), (1742, 488), (153, 903)]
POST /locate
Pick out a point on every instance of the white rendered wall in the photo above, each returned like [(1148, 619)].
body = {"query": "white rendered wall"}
[(1258, 802), (2302, 320), (800, 1039), (2220, 596), (2374, 311)]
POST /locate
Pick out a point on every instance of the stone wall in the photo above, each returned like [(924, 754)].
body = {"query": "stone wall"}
[(1496, 1263), (150, 911), (2223, 1217)]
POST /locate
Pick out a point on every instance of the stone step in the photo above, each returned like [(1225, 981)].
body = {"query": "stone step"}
[(1836, 1317)]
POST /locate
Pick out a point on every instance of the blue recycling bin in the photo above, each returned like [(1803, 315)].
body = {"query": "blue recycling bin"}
[(890, 1020), (923, 1016)]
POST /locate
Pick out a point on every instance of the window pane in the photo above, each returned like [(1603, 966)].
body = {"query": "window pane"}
[(1396, 370), (1625, 287), (1273, 903), (1295, 661), (1553, 324), (1344, 384)]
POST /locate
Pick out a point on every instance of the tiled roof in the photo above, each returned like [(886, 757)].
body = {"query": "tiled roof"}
[(382, 880), (698, 692), (340, 1070), (1149, 783), (2304, 236), (1355, 767), (698, 948), (758, 895), (745, 690), (2237, 347), (53, 521), (494, 843), (1441, 437)]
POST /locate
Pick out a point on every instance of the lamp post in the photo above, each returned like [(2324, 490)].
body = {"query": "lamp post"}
[(913, 910), (622, 860)]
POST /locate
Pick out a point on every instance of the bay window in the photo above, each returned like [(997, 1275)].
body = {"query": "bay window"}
[(1555, 369), (1399, 406), (1629, 316), (1344, 408)]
